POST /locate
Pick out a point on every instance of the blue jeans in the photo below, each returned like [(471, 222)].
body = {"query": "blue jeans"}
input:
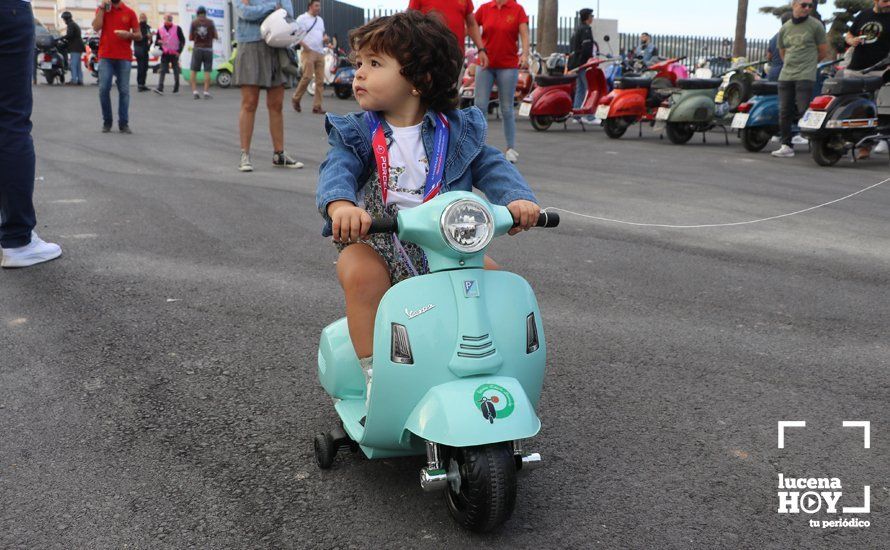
[(506, 79), (76, 67), (17, 159), (119, 69), (580, 89)]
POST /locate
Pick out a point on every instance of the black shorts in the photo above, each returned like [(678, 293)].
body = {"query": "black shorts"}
[(202, 56)]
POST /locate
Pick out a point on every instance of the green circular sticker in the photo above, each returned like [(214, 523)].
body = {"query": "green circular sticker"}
[(494, 401)]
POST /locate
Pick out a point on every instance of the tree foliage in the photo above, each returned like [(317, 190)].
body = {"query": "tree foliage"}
[(840, 20)]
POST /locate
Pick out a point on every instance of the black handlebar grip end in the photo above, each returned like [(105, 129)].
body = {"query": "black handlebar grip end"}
[(384, 225), (548, 219)]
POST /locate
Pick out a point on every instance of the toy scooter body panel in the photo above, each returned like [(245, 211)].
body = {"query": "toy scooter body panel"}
[(474, 411), (475, 331), (338, 368), (693, 106), (552, 100)]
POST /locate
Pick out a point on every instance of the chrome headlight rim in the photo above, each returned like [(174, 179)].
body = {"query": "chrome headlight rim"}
[(489, 222)]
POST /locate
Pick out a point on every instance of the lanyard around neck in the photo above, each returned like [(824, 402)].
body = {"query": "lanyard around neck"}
[(433, 183)]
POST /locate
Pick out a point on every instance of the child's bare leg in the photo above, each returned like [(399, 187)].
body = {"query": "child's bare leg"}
[(491, 264), (365, 279)]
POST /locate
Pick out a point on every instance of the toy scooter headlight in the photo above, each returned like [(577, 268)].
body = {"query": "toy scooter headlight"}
[(467, 226)]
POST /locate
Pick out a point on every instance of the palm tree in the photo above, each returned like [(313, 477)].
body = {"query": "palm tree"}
[(548, 23), (740, 46)]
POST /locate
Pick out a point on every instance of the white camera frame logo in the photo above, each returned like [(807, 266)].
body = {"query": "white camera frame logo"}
[(811, 501)]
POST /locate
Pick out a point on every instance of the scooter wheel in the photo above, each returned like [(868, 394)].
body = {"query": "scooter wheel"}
[(324, 450), (486, 495), (343, 92), (541, 123), (679, 133), (755, 139), (823, 153), (615, 127)]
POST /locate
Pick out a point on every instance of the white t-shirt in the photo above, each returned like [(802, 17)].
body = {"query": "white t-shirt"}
[(408, 167), (315, 38)]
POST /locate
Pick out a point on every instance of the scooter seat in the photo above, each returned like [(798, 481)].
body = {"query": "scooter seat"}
[(554, 80), (627, 83), (699, 83), (765, 87), (840, 86)]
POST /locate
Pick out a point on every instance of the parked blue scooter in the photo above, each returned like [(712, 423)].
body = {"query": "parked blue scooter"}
[(758, 118), (459, 357)]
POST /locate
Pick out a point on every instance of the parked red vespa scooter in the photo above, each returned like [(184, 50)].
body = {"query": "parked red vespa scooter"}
[(635, 99), (552, 99)]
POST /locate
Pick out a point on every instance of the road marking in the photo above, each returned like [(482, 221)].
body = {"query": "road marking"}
[(68, 201), (17, 322), (79, 236)]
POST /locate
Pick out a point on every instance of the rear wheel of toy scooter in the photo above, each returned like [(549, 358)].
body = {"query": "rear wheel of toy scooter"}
[(679, 132), (481, 491), (823, 153), (325, 451), (755, 139), (541, 123), (615, 127)]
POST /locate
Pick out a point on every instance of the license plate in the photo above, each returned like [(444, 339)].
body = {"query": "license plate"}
[(813, 120), (740, 120), (46, 65), (602, 112), (663, 113), (525, 109)]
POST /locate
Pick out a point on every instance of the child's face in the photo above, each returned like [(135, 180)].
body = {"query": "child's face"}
[(378, 84)]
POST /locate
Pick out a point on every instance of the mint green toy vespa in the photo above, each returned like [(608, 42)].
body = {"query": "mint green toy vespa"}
[(459, 358)]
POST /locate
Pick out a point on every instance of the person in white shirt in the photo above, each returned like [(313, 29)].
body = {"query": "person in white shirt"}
[(311, 55)]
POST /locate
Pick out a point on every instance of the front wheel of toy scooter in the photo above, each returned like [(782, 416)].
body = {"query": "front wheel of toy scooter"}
[(481, 491)]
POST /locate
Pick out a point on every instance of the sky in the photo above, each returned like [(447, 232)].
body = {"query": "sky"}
[(657, 16)]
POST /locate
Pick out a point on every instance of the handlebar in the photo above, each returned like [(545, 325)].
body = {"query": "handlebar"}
[(545, 219), (391, 225)]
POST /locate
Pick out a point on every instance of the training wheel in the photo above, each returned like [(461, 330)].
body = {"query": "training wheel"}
[(324, 450)]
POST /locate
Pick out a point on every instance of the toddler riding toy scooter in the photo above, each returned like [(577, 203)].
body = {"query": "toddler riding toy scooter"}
[(459, 357)]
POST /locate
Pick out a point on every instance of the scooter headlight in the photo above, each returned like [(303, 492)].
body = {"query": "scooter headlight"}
[(467, 226)]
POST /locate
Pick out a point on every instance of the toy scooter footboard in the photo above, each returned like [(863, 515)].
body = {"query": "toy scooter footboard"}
[(474, 411)]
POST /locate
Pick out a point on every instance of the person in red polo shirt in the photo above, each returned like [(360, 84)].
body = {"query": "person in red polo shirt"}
[(503, 22), (458, 16), (119, 27)]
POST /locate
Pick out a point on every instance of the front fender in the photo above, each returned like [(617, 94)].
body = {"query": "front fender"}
[(452, 413)]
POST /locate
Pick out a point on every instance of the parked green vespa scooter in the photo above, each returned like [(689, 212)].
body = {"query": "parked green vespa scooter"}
[(459, 357), (692, 108)]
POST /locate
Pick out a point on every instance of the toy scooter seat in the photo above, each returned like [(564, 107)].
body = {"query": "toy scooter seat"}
[(699, 83), (765, 87), (554, 80), (840, 86), (630, 82)]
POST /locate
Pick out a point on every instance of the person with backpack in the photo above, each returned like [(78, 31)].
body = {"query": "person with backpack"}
[(583, 47)]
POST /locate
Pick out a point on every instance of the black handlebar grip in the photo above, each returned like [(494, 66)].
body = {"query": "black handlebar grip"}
[(545, 219), (384, 225)]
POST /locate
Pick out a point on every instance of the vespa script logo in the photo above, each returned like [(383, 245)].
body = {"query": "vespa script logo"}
[(414, 313), (811, 495)]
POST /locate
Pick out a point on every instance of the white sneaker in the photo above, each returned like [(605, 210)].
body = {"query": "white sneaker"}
[(512, 155), (799, 140), (37, 252), (245, 165), (784, 151), (881, 147)]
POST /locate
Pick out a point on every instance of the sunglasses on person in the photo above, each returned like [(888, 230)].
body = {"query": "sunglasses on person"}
[(806, 5)]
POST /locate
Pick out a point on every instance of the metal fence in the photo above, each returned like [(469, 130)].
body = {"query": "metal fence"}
[(692, 47)]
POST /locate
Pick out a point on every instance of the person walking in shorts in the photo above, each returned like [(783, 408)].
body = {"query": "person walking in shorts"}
[(202, 34)]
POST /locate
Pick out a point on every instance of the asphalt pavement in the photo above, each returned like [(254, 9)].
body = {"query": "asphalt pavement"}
[(158, 382)]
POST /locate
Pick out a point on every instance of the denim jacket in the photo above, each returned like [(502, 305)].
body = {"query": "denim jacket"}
[(247, 27), (469, 161)]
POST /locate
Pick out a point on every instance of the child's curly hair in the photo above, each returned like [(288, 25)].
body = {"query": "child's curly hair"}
[(425, 48)]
